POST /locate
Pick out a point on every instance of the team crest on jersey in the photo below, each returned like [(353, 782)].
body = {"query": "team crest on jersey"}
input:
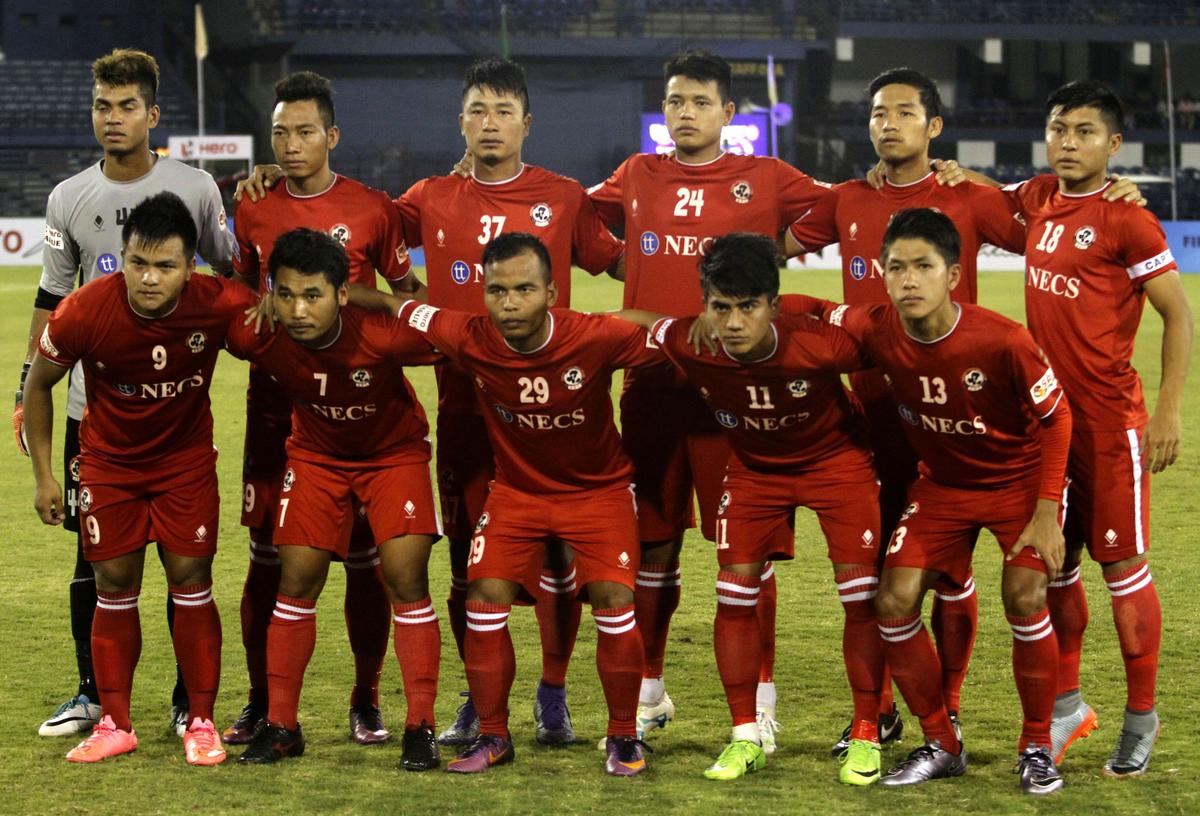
[(798, 388), (724, 503), (74, 468), (126, 389), (441, 238), (196, 341), (974, 379), (910, 511), (504, 413), (853, 231), (907, 415), (361, 378), (573, 378), (1084, 237), (541, 214), (482, 523), (727, 418), (742, 192), (289, 479), (85, 500), (340, 233)]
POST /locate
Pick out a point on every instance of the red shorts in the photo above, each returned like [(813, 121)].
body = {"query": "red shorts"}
[(757, 511), (1108, 501), (600, 527), (123, 509), (938, 529), (675, 444), (317, 507), (465, 466), (264, 460)]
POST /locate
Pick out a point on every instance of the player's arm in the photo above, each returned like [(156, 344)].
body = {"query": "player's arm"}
[(1162, 437), (815, 229), (261, 179), (39, 428), (638, 317), (376, 300)]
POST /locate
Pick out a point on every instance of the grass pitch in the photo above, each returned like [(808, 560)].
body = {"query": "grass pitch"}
[(335, 776)]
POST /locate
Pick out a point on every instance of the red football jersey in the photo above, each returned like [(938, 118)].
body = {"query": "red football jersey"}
[(785, 411), (147, 378), (856, 215), (1086, 260), (672, 211), (361, 218), (548, 412), (351, 399), (970, 401), (453, 219)]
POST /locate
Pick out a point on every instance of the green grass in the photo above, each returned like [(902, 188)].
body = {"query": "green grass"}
[(37, 670)]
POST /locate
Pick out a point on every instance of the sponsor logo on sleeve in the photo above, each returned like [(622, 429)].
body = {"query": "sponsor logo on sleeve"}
[(1044, 387), (838, 314), (1149, 265), (660, 331), (421, 315), (53, 238), (47, 344)]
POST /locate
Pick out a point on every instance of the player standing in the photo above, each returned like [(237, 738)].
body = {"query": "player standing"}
[(543, 378), (1090, 269), (148, 340), (985, 414), (796, 441), (367, 226), (359, 437), (84, 217), (671, 207)]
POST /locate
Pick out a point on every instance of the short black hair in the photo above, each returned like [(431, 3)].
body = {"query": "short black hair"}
[(931, 100), (1088, 93), (500, 76), (128, 66), (929, 225), (703, 66), (310, 252), (741, 264), (511, 244), (304, 85), (159, 218)]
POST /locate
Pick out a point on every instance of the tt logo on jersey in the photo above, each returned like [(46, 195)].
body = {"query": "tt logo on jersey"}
[(908, 416), (798, 388), (683, 245), (127, 389), (504, 413), (1085, 237), (573, 378), (974, 379), (340, 233), (540, 214), (289, 479), (460, 272), (724, 504), (727, 418), (196, 341), (85, 500), (742, 192), (361, 378)]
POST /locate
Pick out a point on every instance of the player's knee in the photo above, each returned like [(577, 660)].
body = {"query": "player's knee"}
[(492, 591), (1116, 567), (661, 552), (1023, 594), (408, 583), (891, 605), (187, 571), (609, 595)]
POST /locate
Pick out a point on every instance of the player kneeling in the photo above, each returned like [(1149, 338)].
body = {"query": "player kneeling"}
[(358, 434), (148, 340)]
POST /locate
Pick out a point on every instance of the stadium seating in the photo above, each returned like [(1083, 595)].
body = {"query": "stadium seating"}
[(1170, 13)]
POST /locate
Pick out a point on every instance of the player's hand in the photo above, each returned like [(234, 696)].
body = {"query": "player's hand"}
[(1122, 189), (258, 182), (1044, 534), (1161, 441), (48, 501), (703, 336), (263, 312), (465, 165), (949, 172), (877, 175)]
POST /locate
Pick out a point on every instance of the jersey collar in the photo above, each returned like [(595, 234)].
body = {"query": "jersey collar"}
[(1099, 189), (765, 357), (332, 182), (921, 180), (950, 331), (509, 180), (675, 158), (549, 337)]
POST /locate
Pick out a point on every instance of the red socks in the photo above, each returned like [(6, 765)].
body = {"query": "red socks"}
[(656, 596), (491, 664), (862, 649), (558, 612), (1068, 607), (290, 641), (366, 608), (1138, 618), (954, 619), (116, 647), (918, 672), (619, 656), (766, 622), (737, 643), (1035, 668), (258, 602), (418, 644), (197, 640)]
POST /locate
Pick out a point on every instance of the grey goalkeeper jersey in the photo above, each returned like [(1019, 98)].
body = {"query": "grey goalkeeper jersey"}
[(84, 218)]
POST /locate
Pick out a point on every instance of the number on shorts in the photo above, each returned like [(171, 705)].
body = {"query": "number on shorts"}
[(477, 545), (535, 390), (93, 528), (248, 498), (722, 534), (283, 503), (159, 355), (898, 540)]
